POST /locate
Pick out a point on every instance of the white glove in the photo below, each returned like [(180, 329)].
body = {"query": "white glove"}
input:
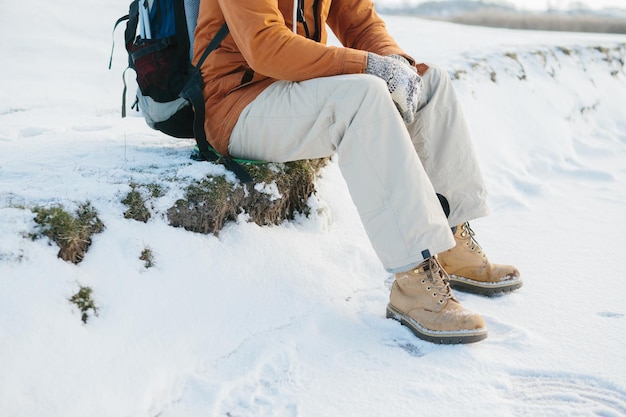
[(403, 83), (403, 60)]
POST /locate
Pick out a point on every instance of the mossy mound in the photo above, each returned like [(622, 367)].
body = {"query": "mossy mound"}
[(71, 232), (278, 192)]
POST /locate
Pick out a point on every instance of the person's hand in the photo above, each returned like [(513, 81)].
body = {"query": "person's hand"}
[(402, 81), (403, 60), (419, 68)]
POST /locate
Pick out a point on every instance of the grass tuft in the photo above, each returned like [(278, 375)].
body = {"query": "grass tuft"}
[(85, 303), (71, 232), (136, 204), (279, 192), (147, 256)]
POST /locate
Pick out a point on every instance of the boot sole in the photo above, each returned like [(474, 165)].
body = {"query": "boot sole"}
[(484, 288), (443, 337)]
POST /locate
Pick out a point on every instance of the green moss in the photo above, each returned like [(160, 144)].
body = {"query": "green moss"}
[(147, 257), (211, 202), (88, 218), (137, 198), (136, 204), (71, 232), (85, 303), (208, 190), (156, 190)]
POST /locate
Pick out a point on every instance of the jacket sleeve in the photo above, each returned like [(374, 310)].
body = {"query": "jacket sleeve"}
[(270, 48), (357, 25)]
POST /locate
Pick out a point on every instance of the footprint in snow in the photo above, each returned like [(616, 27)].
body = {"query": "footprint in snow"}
[(610, 315), (269, 390), (565, 395), (5, 112), (30, 132), (406, 345)]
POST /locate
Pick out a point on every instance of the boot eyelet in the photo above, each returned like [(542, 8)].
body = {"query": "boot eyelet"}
[(434, 294), (423, 281), (428, 288)]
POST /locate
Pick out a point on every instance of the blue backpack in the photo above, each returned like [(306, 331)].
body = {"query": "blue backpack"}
[(159, 42)]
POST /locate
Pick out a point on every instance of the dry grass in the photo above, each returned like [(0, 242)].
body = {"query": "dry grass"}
[(136, 204), (147, 256), (213, 201), (71, 232)]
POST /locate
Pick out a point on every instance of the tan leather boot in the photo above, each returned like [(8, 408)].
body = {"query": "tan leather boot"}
[(471, 271), (422, 300)]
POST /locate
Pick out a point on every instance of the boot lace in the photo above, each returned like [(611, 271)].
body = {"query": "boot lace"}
[(473, 245), (438, 277)]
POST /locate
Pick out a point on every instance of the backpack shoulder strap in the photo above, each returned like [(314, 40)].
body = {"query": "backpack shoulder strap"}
[(182, 34), (129, 37), (193, 93), (131, 27), (215, 42)]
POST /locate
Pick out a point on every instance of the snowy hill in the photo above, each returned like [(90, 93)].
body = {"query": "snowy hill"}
[(289, 320)]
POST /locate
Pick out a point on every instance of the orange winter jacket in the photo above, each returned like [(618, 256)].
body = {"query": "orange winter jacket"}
[(262, 48)]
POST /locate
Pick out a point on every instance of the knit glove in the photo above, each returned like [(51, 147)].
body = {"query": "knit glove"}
[(403, 60), (403, 83)]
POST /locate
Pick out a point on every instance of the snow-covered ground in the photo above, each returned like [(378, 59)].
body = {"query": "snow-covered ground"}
[(289, 320)]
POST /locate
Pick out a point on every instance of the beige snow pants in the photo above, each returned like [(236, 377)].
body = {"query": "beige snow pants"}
[(392, 170)]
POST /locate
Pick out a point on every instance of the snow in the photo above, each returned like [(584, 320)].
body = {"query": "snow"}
[(271, 190), (290, 320)]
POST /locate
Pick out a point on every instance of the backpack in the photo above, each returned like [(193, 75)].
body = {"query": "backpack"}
[(159, 41)]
